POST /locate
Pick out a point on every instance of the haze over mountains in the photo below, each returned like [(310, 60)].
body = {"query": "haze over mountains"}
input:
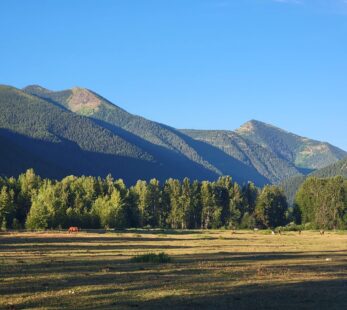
[(77, 131)]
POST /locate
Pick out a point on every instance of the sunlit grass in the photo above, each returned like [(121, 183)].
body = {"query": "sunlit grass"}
[(209, 269)]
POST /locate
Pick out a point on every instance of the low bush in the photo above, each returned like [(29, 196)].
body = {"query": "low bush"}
[(161, 258)]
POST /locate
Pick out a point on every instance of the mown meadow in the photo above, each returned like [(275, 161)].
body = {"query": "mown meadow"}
[(208, 269)]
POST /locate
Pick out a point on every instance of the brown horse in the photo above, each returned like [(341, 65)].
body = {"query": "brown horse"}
[(73, 230)]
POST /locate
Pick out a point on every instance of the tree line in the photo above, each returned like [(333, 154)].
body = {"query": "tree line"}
[(323, 202), (89, 202)]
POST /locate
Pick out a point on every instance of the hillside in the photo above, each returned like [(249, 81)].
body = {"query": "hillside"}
[(85, 102), (77, 131), (338, 168), (302, 152), (56, 142), (15, 159), (249, 153), (292, 185), (157, 138), (28, 115)]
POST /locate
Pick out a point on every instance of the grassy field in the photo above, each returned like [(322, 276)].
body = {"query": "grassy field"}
[(209, 270)]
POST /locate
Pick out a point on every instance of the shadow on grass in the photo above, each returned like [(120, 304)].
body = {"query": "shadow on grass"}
[(86, 247), (202, 276), (75, 271), (74, 239), (327, 294), (161, 231)]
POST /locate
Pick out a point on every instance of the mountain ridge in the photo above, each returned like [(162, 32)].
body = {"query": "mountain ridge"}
[(245, 153), (163, 136), (301, 151), (44, 122)]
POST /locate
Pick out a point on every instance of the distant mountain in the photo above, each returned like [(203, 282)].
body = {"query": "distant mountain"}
[(302, 152), (276, 154), (338, 168), (77, 131), (164, 141), (292, 184), (251, 154)]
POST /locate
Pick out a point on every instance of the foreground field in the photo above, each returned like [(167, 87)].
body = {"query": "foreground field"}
[(210, 269)]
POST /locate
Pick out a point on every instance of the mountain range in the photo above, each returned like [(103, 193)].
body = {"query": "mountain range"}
[(77, 131)]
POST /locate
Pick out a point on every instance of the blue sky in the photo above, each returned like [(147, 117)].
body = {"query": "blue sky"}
[(207, 64)]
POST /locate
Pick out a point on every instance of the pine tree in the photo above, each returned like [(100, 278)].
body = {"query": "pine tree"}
[(211, 214), (187, 205), (6, 207), (154, 202), (222, 189), (250, 195), (196, 205)]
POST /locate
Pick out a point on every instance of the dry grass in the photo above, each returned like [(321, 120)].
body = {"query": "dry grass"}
[(210, 270)]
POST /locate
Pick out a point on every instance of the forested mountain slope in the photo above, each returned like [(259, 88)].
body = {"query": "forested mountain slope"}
[(77, 131), (249, 153), (85, 102), (57, 142), (31, 116), (302, 152), (157, 138), (338, 168)]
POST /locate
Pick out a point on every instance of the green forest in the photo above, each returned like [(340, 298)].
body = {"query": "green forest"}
[(89, 202), (78, 132)]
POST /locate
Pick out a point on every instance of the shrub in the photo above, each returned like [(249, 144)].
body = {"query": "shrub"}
[(161, 258)]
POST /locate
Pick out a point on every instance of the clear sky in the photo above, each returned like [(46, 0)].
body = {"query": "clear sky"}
[(207, 64)]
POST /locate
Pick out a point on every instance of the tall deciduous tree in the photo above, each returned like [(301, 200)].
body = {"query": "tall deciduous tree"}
[(29, 183), (323, 202), (110, 211), (140, 190), (176, 216), (43, 209), (271, 207)]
